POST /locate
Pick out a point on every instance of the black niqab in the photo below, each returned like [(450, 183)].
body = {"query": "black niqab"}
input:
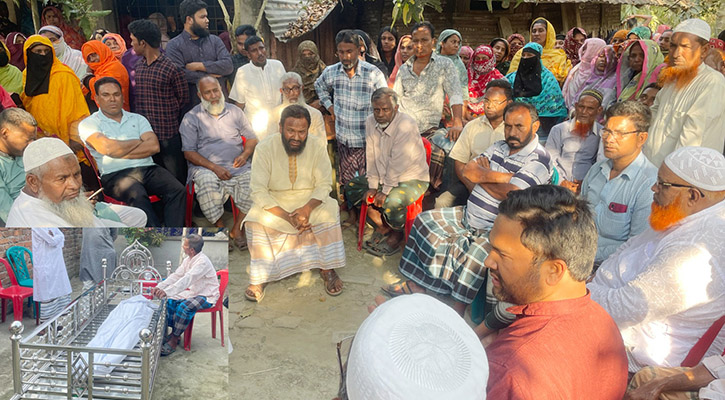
[(528, 77), (37, 79)]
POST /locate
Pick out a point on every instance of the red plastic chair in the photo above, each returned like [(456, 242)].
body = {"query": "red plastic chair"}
[(108, 199), (412, 211), (17, 294), (190, 198), (223, 276), (703, 344)]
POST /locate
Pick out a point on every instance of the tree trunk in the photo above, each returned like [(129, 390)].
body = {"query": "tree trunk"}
[(246, 11)]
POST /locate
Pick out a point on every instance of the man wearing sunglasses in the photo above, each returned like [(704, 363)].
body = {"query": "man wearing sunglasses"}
[(618, 187), (665, 287)]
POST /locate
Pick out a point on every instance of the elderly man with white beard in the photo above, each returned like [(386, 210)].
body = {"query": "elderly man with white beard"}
[(291, 90), (665, 287), (53, 195), (218, 141)]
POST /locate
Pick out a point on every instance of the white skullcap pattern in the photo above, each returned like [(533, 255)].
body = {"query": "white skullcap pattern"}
[(43, 150), (695, 26), (415, 347), (699, 166)]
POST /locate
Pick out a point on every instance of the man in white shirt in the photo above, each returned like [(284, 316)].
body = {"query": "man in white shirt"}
[(665, 287), (192, 287), (257, 84), (292, 94), (51, 286)]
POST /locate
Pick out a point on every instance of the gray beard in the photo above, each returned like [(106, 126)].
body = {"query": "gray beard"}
[(213, 109), (300, 100), (77, 212)]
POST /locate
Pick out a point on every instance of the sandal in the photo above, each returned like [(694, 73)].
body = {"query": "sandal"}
[(254, 296), (397, 289), (241, 242), (330, 277), (383, 249), (166, 350), (374, 240)]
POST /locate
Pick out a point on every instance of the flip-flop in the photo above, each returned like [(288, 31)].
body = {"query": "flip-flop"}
[(374, 240), (167, 350), (383, 249), (397, 289), (253, 298), (326, 280)]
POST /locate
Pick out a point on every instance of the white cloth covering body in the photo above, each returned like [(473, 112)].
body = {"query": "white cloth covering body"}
[(50, 278)]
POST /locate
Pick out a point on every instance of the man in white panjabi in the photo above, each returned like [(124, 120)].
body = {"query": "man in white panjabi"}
[(294, 224), (689, 110), (665, 287), (51, 286), (292, 94)]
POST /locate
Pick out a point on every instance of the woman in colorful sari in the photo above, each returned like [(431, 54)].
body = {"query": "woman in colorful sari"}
[(501, 50), (466, 53), (618, 41), (66, 54), (481, 71), (580, 73), (14, 42), (116, 43), (101, 61), (533, 83), (10, 76), (405, 50), (573, 41), (640, 33), (516, 43), (53, 16), (543, 33), (603, 76), (639, 65)]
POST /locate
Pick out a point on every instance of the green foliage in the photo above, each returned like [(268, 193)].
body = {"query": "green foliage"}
[(412, 10), (711, 11), (148, 237), (81, 11)]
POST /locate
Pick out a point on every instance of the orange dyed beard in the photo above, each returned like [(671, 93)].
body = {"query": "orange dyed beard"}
[(580, 129), (663, 217), (680, 75)]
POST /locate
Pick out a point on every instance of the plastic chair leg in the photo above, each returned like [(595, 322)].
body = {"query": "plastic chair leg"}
[(411, 214), (361, 227), (213, 324), (18, 309), (221, 324), (3, 311), (187, 335)]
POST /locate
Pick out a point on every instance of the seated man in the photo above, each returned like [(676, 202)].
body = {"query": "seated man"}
[(122, 144), (445, 249), (53, 194), (618, 188), (562, 344), (192, 287), (291, 90), (703, 381), (666, 286), (573, 144), (397, 172), (212, 136), (294, 224), (477, 136), (17, 129)]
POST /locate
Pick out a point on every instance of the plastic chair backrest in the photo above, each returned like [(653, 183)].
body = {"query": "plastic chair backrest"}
[(223, 276), (703, 344), (428, 150), (11, 274), (92, 161), (16, 257)]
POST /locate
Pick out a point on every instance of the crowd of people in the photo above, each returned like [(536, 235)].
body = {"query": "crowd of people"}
[(571, 187)]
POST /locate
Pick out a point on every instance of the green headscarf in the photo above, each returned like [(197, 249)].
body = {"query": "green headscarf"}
[(630, 89)]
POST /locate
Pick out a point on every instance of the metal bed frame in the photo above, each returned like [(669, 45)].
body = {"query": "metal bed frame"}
[(53, 361)]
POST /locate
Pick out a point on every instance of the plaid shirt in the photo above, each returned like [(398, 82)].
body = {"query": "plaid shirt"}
[(352, 99), (161, 92)]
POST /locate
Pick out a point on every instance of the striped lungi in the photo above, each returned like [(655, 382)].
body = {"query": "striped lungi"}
[(353, 163), (51, 308), (212, 192), (276, 255), (445, 255)]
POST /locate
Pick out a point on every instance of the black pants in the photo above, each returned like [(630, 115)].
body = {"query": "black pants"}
[(172, 158), (134, 185)]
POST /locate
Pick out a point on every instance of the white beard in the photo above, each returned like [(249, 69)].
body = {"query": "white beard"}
[(214, 109), (77, 212), (300, 100)]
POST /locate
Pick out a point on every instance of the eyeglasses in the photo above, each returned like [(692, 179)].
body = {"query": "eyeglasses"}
[(661, 185), (292, 89), (617, 134), (343, 352)]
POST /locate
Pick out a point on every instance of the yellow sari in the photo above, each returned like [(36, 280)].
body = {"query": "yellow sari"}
[(554, 60)]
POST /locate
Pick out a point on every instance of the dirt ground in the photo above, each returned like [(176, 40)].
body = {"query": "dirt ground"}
[(291, 335)]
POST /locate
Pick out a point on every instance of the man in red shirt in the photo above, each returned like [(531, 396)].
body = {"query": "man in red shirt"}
[(562, 344)]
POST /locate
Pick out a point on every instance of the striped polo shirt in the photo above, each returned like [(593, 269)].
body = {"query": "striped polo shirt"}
[(531, 166)]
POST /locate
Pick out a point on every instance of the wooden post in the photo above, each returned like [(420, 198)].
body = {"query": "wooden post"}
[(577, 15), (36, 14), (565, 17)]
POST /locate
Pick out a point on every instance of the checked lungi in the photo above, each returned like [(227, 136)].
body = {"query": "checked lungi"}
[(179, 313), (276, 255), (445, 255), (394, 208), (353, 163), (212, 192)]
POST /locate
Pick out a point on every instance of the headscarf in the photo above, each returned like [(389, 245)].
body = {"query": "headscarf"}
[(621, 35), (56, 99), (371, 52), (398, 60), (67, 55), (571, 46), (502, 65), (107, 66), (716, 43), (72, 37), (480, 73), (642, 32), (466, 51), (514, 48), (10, 76), (580, 73), (605, 82), (533, 83), (121, 43), (309, 70), (630, 89), (460, 68), (553, 59), (16, 50)]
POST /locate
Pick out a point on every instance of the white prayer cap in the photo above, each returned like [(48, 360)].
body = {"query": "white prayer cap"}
[(52, 29), (699, 166), (695, 26), (415, 347), (43, 150)]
